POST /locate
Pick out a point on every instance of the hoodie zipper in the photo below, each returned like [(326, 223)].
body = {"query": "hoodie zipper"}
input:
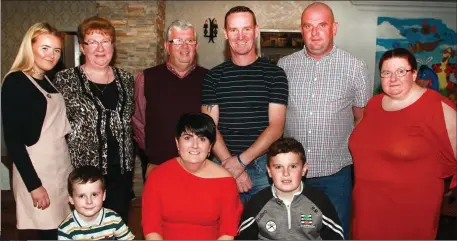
[(288, 216), (280, 202)]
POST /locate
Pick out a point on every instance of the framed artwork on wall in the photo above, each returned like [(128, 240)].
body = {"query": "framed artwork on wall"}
[(275, 43)]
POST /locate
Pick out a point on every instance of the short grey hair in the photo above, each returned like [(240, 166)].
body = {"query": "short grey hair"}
[(180, 25)]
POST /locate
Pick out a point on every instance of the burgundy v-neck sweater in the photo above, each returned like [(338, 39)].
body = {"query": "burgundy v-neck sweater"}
[(167, 98)]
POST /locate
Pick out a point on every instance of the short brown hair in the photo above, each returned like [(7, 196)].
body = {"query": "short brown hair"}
[(399, 53), (96, 23), (286, 145), (239, 9), (83, 175)]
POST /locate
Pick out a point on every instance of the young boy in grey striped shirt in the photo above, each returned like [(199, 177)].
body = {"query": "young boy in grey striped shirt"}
[(90, 220)]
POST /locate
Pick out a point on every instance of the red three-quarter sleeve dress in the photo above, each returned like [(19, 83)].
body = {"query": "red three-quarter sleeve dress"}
[(401, 159)]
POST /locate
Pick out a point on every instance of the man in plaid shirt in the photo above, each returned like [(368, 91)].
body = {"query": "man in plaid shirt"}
[(328, 89)]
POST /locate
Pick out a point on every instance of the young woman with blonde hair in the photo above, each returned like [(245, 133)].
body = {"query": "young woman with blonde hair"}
[(35, 125)]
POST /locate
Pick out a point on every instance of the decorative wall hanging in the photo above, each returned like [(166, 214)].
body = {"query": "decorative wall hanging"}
[(432, 42), (212, 29)]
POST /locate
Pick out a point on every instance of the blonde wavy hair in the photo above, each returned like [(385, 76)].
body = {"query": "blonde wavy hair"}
[(24, 58)]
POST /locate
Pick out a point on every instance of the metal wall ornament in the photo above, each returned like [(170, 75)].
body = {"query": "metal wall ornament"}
[(212, 25)]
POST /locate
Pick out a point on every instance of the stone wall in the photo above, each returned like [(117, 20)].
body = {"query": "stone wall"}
[(139, 32), (139, 43)]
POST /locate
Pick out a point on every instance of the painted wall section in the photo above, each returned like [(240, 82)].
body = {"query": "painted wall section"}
[(18, 16), (269, 15), (356, 32)]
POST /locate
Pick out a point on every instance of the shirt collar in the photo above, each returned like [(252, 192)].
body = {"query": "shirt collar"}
[(172, 69), (273, 190), (95, 222), (328, 55)]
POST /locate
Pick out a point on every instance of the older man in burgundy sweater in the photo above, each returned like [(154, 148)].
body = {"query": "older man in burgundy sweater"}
[(163, 93)]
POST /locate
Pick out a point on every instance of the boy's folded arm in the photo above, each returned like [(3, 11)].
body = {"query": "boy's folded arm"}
[(123, 232), (330, 232), (248, 229), (331, 224)]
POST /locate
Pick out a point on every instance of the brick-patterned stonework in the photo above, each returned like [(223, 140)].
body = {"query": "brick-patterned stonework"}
[(139, 32), (139, 43)]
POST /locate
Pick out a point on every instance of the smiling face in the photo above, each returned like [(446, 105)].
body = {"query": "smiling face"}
[(286, 170), (394, 86), (183, 54), (241, 33), (99, 52), (318, 29), (46, 51), (88, 199), (193, 149)]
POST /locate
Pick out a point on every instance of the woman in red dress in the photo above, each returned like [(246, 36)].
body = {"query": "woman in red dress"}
[(403, 150), (191, 197)]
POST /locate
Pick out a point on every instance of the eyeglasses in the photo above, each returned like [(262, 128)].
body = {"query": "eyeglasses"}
[(179, 42), (94, 43), (399, 73)]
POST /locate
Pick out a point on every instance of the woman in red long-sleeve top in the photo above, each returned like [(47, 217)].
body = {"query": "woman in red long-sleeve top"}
[(190, 197)]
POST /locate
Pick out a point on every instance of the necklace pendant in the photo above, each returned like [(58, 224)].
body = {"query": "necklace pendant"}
[(49, 96)]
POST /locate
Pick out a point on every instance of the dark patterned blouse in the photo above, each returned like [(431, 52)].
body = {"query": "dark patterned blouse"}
[(88, 141)]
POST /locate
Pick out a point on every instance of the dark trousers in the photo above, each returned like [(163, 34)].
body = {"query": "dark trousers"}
[(338, 188), (119, 193)]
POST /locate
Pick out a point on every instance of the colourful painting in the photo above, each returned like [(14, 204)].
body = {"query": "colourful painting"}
[(433, 43)]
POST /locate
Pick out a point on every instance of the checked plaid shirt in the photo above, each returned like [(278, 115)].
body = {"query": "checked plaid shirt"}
[(321, 96)]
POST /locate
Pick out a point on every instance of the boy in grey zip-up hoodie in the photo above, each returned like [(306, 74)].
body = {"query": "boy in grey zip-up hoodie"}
[(289, 210)]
